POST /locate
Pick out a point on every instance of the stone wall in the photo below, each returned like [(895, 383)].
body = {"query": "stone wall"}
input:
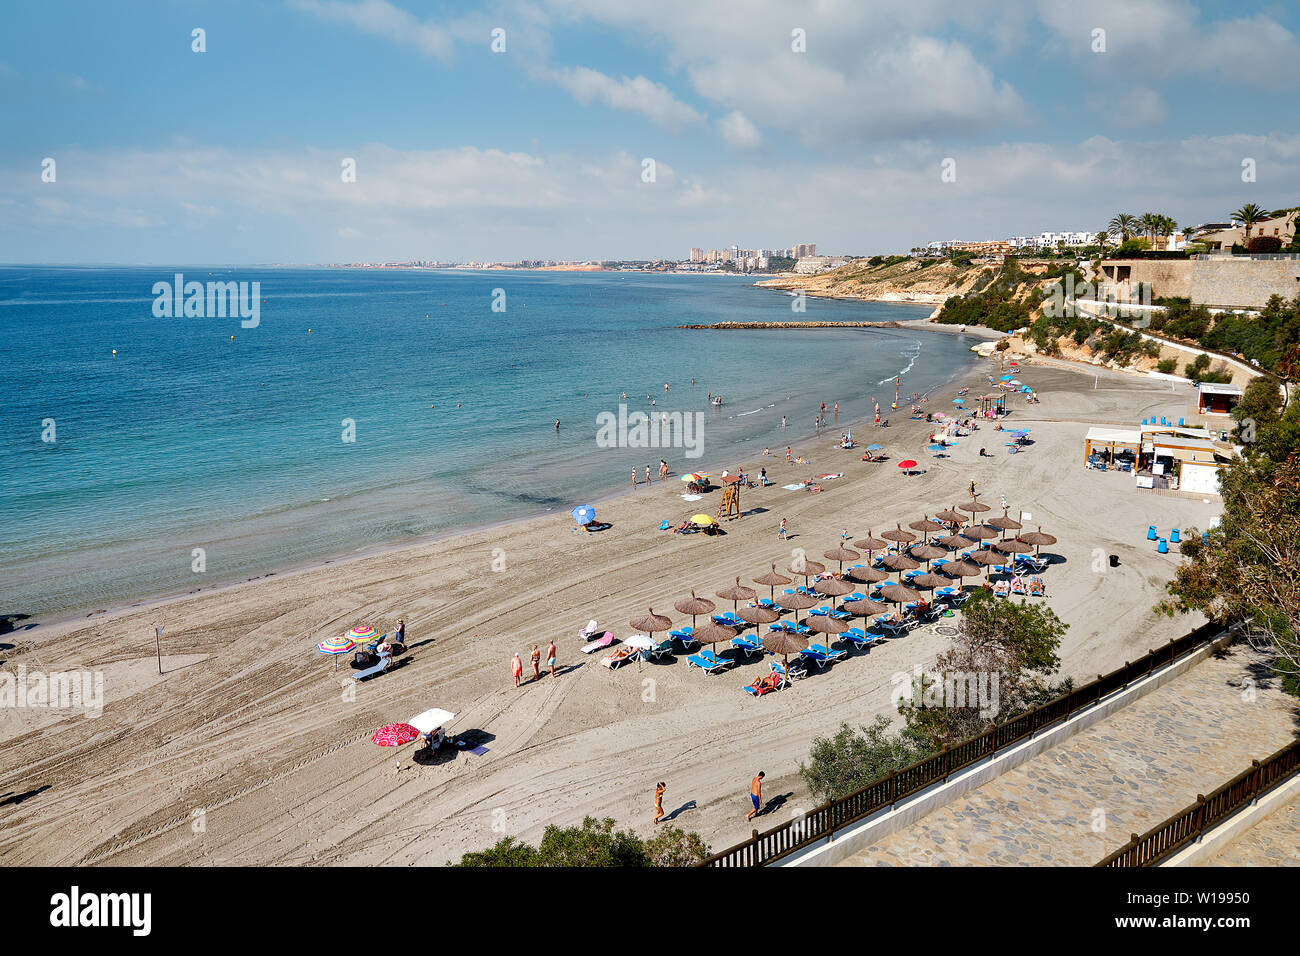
[(1234, 282)]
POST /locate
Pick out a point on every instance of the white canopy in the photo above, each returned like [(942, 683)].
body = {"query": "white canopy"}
[(431, 720)]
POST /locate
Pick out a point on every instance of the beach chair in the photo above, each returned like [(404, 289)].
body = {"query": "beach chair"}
[(765, 684), (681, 633), (821, 611), (889, 624), (708, 661), (591, 630), (800, 629), (821, 655), (384, 661), (747, 644), (603, 641), (1001, 589), (1018, 585), (661, 650), (1037, 588), (857, 637), (778, 627), (729, 619), (620, 656)]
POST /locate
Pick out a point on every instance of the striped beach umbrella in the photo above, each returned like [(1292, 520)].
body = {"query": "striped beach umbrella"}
[(363, 633), (335, 646)]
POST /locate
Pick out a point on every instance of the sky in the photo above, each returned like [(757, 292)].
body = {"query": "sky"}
[(763, 123)]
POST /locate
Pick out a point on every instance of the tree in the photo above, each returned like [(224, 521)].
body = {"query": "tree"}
[(1248, 215), (1125, 225), (1014, 640), (854, 758), (1247, 568), (594, 844), (1103, 239)]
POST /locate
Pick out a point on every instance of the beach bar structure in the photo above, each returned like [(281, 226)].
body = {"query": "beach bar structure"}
[(1112, 444), (1161, 457), (1215, 399)]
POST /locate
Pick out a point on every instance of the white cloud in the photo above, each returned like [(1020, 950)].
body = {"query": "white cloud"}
[(739, 132), (636, 94), (380, 18)]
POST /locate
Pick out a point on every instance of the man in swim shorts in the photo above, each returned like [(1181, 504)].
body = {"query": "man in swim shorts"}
[(755, 795), (550, 657), (517, 667)]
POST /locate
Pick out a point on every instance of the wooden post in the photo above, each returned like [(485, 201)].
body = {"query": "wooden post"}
[(157, 646)]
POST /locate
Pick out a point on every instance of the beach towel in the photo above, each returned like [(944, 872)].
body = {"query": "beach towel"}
[(838, 474), (603, 641), (691, 497), (793, 487)]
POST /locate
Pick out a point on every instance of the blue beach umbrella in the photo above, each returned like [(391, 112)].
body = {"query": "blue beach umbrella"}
[(584, 514), (875, 447)]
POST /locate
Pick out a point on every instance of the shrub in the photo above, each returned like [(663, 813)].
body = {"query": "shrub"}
[(1264, 245), (595, 843), (1167, 366)]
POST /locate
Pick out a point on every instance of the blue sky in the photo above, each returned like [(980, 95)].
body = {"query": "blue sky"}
[(165, 155)]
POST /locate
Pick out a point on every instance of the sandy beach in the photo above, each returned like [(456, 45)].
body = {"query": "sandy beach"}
[(250, 749)]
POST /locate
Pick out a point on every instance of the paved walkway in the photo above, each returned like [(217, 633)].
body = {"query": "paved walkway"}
[(1274, 841), (1080, 800)]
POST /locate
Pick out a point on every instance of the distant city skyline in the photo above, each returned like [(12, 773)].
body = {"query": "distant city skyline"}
[(315, 131)]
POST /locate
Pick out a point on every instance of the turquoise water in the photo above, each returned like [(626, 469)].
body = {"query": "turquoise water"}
[(188, 439)]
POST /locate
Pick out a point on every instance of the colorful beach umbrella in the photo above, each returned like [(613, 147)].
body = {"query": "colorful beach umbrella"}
[(702, 520), (335, 646), (693, 476), (394, 735), (363, 633), (584, 514)]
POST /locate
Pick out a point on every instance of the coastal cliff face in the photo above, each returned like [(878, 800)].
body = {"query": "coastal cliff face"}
[(911, 280)]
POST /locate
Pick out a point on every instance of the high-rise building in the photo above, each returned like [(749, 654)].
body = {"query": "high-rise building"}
[(697, 255)]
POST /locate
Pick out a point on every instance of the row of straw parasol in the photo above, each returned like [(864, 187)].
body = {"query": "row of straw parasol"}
[(907, 558)]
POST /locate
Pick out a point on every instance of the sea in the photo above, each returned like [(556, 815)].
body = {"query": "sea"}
[(145, 455)]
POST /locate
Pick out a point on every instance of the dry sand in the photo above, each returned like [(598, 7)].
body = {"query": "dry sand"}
[(248, 750)]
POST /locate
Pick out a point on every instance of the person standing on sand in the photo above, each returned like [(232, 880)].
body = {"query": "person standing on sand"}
[(755, 795), (780, 534), (517, 666), (787, 455), (971, 489), (659, 801), (535, 658), (634, 477), (647, 474), (663, 469), (550, 656)]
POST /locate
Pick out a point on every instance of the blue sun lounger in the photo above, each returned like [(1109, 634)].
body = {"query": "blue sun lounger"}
[(857, 637), (683, 634), (821, 655), (747, 644), (708, 661), (379, 668)]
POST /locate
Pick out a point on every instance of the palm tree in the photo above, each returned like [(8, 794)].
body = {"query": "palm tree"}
[(1124, 224), (1150, 224), (1248, 215), (1102, 239)]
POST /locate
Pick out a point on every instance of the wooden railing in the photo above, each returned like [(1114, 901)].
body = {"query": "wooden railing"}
[(1207, 812), (821, 823)]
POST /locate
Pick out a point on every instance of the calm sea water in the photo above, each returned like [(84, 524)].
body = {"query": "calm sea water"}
[(188, 439)]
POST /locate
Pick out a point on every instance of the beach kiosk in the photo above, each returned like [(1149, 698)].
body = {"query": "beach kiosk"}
[(1183, 463), (1108, 448), (1215, 399)]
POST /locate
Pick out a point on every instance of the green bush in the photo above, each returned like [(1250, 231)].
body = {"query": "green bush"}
[(1167, 366), (594, 844)]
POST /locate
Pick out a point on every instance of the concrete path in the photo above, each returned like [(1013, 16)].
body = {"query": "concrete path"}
[(1080, 801)]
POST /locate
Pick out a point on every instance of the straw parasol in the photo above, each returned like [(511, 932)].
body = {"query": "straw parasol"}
[(736, 593), (898, 534), (796, 602), (954, 541), (808, 570), (1037, 538), (952, 514), (928, 581), (714, 634), (865, 608), (825, 624), (841, 555), (926, 552), (784, 644), (978, 532), (772, 579), (694, 606), (925, 526), (987, 559), (975, 507), (833, 588), (870, 543), (1013, 546), (866, 575), (899, 594), (758, 615), (900, 563), (1004, 523), (650, 622), (960, 569)]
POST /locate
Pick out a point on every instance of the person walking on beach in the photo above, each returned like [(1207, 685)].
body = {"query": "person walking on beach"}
[(971, 489), (550, 656), (400, 635), (780, 534), (787, 455), (634, 477), (647, 474), (659, 801), (755, 795), (535, 658), (517, 666), (663, 469)]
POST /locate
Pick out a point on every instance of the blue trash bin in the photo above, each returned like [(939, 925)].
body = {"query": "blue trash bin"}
[(1151, 532), (1162, 546), (1173, 537)]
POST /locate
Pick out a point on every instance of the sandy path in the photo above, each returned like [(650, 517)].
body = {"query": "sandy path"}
[(251, 753)]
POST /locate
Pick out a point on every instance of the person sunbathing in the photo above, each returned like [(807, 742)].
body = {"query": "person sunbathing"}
[(762, 685), (1036, 586), (622, 654)]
